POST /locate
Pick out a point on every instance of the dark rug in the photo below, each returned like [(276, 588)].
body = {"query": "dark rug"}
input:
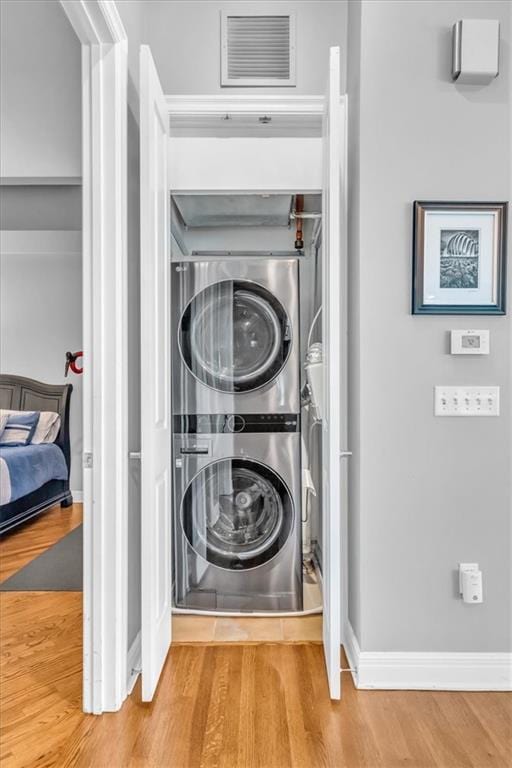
[(58, 569)]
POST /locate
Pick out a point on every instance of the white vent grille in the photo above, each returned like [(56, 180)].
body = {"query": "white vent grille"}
[(258, 49)]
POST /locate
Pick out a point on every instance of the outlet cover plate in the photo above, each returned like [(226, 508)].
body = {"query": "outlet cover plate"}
[(466, 401)]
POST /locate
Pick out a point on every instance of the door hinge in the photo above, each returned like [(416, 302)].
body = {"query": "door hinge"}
[(134, 455), (344, 454), (87, 461)]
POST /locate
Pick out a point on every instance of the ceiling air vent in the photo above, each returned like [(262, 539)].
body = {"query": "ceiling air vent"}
[(258, 49)]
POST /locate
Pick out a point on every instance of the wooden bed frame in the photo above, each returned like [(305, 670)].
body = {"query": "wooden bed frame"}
[(21, 394)]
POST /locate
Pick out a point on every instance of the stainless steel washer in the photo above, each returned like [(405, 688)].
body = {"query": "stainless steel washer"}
[(236, 336), (237, 528)]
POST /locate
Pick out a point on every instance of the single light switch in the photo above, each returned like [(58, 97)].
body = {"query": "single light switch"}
[(466, 401), (469, 342)]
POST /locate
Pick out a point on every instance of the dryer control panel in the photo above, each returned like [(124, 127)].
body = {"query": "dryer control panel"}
[(233, 423)]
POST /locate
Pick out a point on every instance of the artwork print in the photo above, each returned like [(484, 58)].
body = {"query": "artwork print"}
[(459, 257), (459, 262)]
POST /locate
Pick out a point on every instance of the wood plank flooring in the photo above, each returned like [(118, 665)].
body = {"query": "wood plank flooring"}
[(23, 544), (226, 706), (232, 705)]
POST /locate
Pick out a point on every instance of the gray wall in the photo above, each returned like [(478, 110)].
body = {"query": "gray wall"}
[(426, 493), (41, 316), (40, 92), (24, 207), (185, 41)]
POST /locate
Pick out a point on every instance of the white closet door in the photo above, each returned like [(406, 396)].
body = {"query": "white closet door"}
[(156, 475), (332, 340)]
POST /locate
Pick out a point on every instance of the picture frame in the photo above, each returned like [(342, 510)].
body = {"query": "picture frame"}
[(459, 258)]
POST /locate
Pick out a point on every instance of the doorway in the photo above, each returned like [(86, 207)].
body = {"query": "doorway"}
[(227, 168)]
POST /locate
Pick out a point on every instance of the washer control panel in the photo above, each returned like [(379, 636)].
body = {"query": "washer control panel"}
[(236, 423)]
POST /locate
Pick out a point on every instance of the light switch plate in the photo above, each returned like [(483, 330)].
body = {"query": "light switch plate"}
[(469, 342), (466, 401)]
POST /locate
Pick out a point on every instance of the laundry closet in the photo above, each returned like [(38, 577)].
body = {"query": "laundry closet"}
[(244, 291), (243, 377)]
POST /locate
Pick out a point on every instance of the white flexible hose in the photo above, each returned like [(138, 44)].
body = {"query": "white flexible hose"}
[(247, 614), (313, 325)]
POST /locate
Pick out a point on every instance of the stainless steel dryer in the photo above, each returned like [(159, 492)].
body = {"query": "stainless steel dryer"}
[(236, 336), (237, 525)]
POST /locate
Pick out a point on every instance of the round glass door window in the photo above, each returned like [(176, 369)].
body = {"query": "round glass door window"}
[(235, 336), (237, 514)]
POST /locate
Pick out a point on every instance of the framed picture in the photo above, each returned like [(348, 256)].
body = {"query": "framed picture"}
[(459, 258)]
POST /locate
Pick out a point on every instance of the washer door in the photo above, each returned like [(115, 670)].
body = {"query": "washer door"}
[(234, 336), (237, 514)]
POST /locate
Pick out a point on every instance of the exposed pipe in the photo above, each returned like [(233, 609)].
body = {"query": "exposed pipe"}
[(305, 215), (299, 207)]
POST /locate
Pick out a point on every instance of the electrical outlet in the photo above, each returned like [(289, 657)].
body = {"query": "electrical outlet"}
[(464, 568), (470, 583), (467, 401)]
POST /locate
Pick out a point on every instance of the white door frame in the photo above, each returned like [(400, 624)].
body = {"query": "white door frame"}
[(105, 407), (295, 108)]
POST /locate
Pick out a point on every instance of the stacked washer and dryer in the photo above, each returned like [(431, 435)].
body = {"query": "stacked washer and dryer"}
[(237, 448)]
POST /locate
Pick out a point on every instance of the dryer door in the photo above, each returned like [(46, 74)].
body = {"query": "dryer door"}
[(237, 514), (235, 336)]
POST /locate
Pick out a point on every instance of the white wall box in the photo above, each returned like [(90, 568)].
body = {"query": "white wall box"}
[(469, 342), (476, 45), (470, 583)]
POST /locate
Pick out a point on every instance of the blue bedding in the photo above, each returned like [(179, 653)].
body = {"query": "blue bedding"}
[(26, 468)]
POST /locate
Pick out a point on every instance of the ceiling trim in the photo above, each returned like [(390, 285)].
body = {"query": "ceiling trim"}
[(245, 104)]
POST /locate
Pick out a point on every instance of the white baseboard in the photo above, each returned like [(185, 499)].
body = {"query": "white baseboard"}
[(352, 650), (428, 671), (78, 496), (133, 664)]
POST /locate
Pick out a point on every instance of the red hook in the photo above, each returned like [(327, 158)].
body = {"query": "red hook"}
[(71, 358)]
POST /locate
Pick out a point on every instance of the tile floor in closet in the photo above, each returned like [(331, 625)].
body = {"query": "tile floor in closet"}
[(227, 629)]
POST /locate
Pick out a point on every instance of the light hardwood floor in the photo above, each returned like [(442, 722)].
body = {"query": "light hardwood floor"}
[(229, 706), (236, 705)]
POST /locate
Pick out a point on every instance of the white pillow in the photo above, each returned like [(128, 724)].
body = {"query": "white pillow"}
[(47, 428)]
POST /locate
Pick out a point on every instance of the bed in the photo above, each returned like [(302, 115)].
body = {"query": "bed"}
[(37, 462)]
